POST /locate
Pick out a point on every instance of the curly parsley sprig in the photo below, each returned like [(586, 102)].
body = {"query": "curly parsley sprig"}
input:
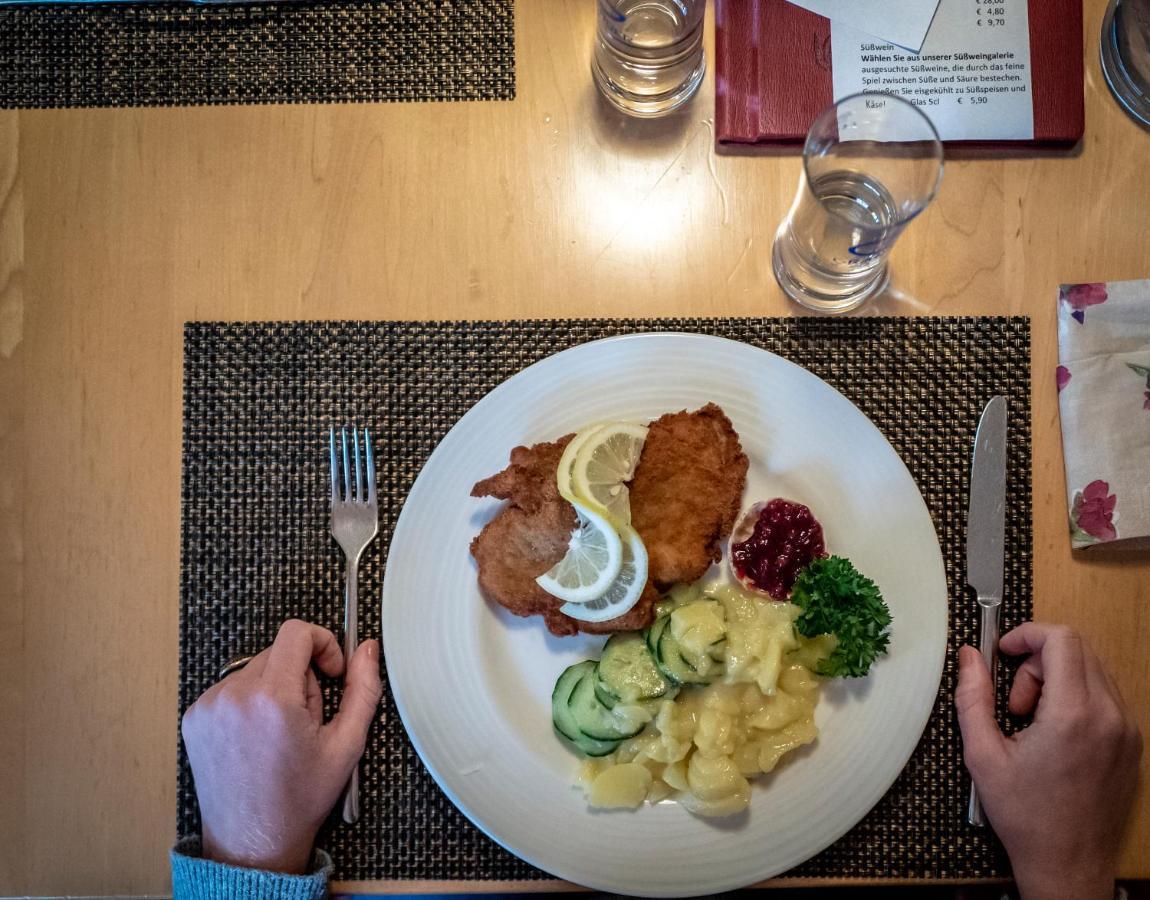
[(837, 599)]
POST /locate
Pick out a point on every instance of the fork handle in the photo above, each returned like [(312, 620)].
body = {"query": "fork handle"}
[(350, 642), (351, 797)]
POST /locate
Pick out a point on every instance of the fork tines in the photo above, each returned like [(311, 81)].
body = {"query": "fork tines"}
[(359, 496)]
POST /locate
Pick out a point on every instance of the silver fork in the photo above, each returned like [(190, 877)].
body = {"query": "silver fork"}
[(354, 524)]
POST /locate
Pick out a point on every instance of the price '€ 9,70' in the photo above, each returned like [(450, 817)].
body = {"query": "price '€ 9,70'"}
[(991, 13)]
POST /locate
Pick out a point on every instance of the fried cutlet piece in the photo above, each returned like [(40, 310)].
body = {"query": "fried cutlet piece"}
[(687, 491), (637, 617), (529, 536), (529, 481)]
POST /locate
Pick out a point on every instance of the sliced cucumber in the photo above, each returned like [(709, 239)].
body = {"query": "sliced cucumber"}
[(682, 667), (698, 626), (606, 696), (561, 698), (660, 627), (562, 716), (598, 722), (652, 634), (592, 747), (627, 671)]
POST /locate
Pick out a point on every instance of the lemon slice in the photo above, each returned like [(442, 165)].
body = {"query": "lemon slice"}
[(604, 462), (593, 560), (567, 462), (624, 592)]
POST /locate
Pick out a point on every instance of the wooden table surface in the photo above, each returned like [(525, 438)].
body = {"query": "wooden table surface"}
[(117, 226)]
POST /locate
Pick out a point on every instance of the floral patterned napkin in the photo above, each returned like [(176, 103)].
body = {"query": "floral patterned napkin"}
[(1104, 403)]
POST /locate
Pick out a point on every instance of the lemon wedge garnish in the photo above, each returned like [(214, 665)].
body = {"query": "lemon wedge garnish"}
[(592, 474), (592, 563), (624, 592), (567, 463), (603, 462)]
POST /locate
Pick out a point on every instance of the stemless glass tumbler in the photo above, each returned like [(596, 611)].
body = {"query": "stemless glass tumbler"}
[(1125, 50), (648, 56), (871, 163)]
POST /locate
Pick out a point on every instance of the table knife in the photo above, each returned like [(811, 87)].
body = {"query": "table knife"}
[(986, 541)]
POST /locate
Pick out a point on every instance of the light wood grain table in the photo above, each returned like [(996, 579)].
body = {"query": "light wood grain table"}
[(117, 226)]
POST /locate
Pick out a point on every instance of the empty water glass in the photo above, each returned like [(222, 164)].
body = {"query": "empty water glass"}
[(1126, 55), (871, 163), (648, 57)]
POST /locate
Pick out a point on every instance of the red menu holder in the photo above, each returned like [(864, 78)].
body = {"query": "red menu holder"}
[(773, 72)]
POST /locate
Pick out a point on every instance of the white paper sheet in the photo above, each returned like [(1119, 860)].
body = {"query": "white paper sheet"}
[(901, 22), (972, 77)]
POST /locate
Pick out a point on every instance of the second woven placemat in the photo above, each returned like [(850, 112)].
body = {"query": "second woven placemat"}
[(179, 54), (255, 549)]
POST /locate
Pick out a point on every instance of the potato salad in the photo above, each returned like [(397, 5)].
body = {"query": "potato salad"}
[(717, 691)]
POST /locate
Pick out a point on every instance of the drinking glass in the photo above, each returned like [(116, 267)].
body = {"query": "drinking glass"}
[(648, 57), (871, 163), (1126, 55)]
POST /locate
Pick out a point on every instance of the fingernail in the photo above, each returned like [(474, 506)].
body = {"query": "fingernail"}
[(372, 650)]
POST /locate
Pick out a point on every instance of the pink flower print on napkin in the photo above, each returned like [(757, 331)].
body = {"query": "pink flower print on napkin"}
[(1092, 514), (1080, 296), (1062, 376), (1144, 372)]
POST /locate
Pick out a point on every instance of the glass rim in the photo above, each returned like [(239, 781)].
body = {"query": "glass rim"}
[(1126, 91), (933, 139)]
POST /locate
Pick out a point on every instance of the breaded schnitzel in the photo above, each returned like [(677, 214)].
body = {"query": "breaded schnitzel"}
[(686, 492), (684, 499), (529, 536)]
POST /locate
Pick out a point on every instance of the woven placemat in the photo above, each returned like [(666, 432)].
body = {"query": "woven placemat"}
[(258, 399), (312, 52)]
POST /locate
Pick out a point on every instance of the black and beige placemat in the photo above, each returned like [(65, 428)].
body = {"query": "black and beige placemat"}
[(259, 398), (326, 51)]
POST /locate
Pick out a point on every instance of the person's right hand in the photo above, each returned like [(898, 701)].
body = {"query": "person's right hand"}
[(1058, 792), (266, 767)]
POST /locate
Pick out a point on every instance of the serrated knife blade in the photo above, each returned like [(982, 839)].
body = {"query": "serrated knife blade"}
[(986, 542)]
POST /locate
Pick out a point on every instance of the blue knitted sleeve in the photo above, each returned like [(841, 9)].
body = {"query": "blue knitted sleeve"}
[(196, 878)]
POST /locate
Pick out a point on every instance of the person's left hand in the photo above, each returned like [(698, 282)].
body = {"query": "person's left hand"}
[(267, 770)]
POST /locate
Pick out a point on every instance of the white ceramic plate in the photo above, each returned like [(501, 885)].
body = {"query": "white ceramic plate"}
[(473, 683)]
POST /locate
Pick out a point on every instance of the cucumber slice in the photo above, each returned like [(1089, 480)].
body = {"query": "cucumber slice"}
[(598, 722), (680, 666), (627, 671), (606, 696), (655, 632), (561, 698), (562, 717), (660, 627), (698, 626), (592, 747)]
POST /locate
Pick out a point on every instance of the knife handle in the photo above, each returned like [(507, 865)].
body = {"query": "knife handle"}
[(988, 644)]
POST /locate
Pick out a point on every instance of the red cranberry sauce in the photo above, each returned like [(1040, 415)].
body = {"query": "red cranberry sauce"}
[(786, 538)]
